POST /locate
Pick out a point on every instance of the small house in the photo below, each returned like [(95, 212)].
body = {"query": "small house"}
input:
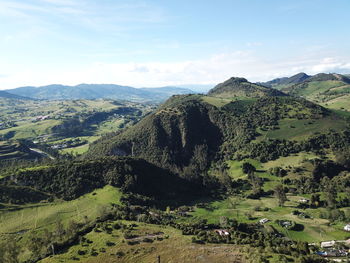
[(304, 201), (286, 223), (263, 221), (327, 244), (222, 232), (347, 227)]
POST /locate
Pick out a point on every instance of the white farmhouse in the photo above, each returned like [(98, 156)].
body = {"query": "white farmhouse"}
[(347, 227)]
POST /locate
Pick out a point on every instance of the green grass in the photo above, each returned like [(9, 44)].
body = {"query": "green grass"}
[(338, 103), (44, 215), (293, 129), (24, 115), (235, 172), (241, 208), (315, 88), (82, 148), (222, 101), (31, 129), (173, 248), (217, 102), (315, 229), (294, 160)]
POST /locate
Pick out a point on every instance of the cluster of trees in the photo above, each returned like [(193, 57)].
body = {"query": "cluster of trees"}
[(10, 251), (71, 179), (21, 195)]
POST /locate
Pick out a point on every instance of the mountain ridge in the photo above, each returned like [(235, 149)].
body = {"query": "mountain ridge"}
[(8, 95), (285, 81), (241, 87), (97, 91)]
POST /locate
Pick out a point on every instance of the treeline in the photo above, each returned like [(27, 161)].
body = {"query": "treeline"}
[(71, 179), (271, 149)]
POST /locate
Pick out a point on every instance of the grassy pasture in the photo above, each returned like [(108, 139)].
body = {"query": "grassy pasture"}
[(244, 210), (215, 101), (338, 103), (174, 248), (44, 215), (293, 129)]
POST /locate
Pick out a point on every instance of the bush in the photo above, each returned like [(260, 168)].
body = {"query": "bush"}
[(110, 244)]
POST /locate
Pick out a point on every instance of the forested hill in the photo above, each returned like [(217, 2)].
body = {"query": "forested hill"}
[(181, 128), (188, 132), (240, 87), (71, 179)]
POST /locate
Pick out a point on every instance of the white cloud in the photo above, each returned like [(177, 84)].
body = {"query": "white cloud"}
[(211, 70)]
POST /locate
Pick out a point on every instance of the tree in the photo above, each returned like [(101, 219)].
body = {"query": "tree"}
[(73, 228), (200, 157), (49, 240), (11, 251), (247, 168), (59, 231), (256, 183), (343, 158), (2, 253), (223, 221), (315, 200), (330, 193), (280, 194), (35, 245), (225, 179)]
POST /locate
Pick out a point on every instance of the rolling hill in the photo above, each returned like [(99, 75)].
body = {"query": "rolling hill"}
[(189, 128), (241, 88), (329, 90), (8, 95), (197, 164), (97, 91), (10, 151), (281, 83)]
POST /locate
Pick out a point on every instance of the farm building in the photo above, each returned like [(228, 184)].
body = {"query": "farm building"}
[(222, 232), (328, 244), (263, 221), (304, 201), (347, 227)]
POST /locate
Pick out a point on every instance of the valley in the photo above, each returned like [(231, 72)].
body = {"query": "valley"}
[(245, 173), (64, 127)]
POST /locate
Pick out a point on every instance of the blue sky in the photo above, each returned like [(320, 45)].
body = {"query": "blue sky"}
[(163, 42)]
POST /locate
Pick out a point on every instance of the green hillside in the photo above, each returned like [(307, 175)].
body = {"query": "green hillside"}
[(10, 151), (281, 83), (237, 88), (170, 183), (187, 129), (329, 90), (65, 126)]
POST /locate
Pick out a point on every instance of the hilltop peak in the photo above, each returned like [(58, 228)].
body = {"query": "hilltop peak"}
[(241, 87)]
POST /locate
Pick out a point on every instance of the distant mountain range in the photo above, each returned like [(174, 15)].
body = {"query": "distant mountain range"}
[(98, 91), (8, 95)]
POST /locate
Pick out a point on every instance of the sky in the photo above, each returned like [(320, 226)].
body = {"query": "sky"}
[(169, 42)]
